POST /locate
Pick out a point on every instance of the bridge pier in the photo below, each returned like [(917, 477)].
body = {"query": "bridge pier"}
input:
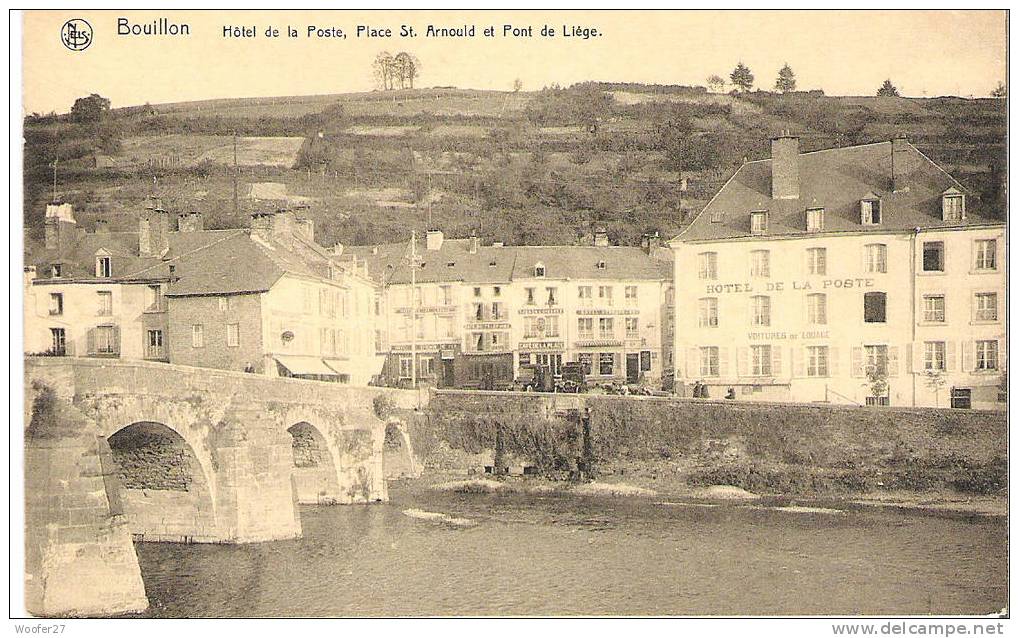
[(79, 557)]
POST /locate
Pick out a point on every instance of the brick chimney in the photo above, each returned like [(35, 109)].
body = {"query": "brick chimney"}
[(785, 167), (900, 163), (190, 222), (153, 231), (433, 240), (473, 245), (601, 237), (651, 242), (277, 225), (60, 226)]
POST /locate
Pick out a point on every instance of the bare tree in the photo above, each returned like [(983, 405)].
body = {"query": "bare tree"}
[(383, 68), (716, 83), (406, 67), (1000, 90), (517, 85)]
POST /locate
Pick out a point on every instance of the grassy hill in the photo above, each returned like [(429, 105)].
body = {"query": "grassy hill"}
[(524, 167)]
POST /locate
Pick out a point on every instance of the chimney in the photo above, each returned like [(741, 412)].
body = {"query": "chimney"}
[(433, 240), (651, 242), (305, 228), (190, 222), (153, 231), (601, 238), (338, 249), (473, 245), (60, 226), (275, 225), (785, 167), (102, 227), (899, 163)]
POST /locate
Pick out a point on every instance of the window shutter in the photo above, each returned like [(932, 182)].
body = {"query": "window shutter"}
[(742, 355), (857, 361), (1002, 354), (91, 338), (617, 363), (893, 361), (833, 362), (723, 362), (776, 361), (968, 356), (798, 356), (950, 358)]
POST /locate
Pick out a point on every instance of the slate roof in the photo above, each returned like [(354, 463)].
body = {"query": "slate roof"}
[(836, 180), (454, 262)]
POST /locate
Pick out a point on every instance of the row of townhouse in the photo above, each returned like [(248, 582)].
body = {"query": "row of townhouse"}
[(463, 314), (265, 299), (852, 275)]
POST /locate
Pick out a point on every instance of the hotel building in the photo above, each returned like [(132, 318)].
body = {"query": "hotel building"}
[(862, 275)]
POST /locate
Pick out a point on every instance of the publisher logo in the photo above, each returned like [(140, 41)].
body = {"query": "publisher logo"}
[(76, 34)]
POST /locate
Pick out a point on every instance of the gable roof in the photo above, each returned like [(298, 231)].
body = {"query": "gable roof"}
[(836, 180)]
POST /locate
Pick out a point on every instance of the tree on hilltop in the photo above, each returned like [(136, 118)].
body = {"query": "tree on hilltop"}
[(716, 83), (786, 80), (888, 90), (742, 78), (1000, 90), (90, 109)]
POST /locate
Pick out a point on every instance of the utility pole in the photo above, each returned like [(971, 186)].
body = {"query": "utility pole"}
[(55, 179), (429, 196), (235, 174), (413, 310)]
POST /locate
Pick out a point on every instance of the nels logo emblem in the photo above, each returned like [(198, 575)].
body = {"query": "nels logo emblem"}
[(76, 34)]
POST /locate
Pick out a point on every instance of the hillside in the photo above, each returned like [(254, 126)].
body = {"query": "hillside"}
[(524, 168)]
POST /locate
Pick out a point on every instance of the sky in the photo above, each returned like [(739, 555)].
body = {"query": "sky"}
[(925, 53)]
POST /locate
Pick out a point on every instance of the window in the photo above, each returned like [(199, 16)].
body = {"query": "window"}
[(530, 296), (425, 366), (585, 327), (479, 312), (605, 295), (539, 269), (308, 299), (447, 329), (817, 361), (479, 345), (874, 307), (876, 361), (154, 344), (224, 303), (934, 256), (233, 336), (605, 360), (986, 254), (477, 291), (953, 207), (717, 216), (870, 212), (876, 257), (815, 220), (105, 340), (405, 367), (708, 312), (552, 329), (56, 303), (817, 309), (707, 265), (760, 263), (197, 336), (606, 329), (630, 292), (584, 295), (761, 309), (447, 295), (934, 308), (58, 341), (104, 267), (495, 339), (497, 313), (105, 303), (758, 222), (934, 356), (601, 265), (56, 270), (986, 306), (709, 361), (632, 330), (496, 291), (987, 355), (760, 364), (552, 296), (154, 297), (817, 261)]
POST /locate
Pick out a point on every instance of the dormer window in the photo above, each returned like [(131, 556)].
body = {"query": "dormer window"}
[(539, 269), (870, 211), (104, 267), (56, 270), (450, 264), (601, 265), (759, 222), (717, 216), (491, 264), (815, 220), (953, 205)]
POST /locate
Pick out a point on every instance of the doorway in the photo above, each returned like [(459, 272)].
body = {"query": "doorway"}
[(632, 367)]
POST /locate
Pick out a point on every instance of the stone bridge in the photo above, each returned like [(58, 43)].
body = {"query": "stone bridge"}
[(120, 451)]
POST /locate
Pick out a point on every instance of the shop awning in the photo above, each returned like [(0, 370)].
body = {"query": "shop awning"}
[(300, 366), (339, 366)]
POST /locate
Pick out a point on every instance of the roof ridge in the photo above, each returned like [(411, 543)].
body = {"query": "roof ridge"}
[(238, 231)]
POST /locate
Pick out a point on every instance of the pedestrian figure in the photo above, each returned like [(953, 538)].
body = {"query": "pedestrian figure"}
[(731, 394)]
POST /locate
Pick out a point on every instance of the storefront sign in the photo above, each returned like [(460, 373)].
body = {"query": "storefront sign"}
[(541, 345), (776, 336), (778, 286)]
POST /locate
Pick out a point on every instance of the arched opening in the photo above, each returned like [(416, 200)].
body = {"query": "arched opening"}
[(397, 454), (166, 494), (314, 471)]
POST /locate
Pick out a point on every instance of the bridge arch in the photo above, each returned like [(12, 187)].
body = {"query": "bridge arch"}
[(167, 493), (397, 453), (315, 465)]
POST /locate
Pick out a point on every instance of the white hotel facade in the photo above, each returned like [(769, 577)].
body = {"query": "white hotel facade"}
[(855, 275)]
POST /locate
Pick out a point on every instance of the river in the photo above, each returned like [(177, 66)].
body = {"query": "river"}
[(567, 555)]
